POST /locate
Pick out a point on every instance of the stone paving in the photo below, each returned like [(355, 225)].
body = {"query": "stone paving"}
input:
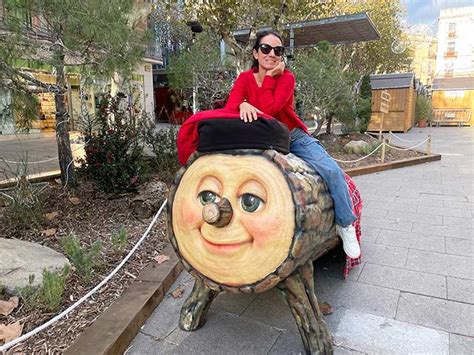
[(34, 149), (414, 292)]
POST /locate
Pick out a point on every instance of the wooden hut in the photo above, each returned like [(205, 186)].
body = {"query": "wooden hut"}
[(453, 101), (401, 113)]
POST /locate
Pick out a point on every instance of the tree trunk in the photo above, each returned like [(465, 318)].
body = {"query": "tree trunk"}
[(298, 291), (329, 124), (66, 161), (194, 311)]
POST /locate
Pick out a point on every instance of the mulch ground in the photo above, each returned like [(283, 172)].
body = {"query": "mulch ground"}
[(92, 215)]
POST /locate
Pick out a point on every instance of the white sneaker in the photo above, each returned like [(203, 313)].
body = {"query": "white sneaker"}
[(349, 240)]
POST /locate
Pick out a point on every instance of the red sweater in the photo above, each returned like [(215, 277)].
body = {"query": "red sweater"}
[(275, 97)]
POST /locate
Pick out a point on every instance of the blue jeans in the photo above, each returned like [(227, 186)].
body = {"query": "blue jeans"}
[(312, 152)]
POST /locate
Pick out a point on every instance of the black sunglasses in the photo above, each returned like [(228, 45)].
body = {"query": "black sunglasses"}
[(266, 49)]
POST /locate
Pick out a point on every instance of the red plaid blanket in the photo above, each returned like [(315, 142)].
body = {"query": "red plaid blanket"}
[(357, 206)]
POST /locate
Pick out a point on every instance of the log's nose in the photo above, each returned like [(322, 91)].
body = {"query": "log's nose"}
[(218, 214)]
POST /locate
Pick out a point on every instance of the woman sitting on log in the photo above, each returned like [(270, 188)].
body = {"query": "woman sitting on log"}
[(269, 88)]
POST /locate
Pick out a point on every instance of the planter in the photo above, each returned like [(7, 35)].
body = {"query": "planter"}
[(422, 123)]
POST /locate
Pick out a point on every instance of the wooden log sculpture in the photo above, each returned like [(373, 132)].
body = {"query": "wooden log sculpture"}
[(249, 220)]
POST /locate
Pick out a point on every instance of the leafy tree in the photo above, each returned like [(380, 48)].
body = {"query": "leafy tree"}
[(226, 16), (323, 88), (376, 56), (97, 38), (200, 67)]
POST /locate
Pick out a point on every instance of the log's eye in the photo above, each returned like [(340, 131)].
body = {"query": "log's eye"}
[(207, 196), (250, 203)]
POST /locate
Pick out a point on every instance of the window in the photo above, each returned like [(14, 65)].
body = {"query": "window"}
[(448, 68), (451, 46), (452, 27)]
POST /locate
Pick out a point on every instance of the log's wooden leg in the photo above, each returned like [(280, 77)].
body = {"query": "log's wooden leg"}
[(298, 290), (194, 310)]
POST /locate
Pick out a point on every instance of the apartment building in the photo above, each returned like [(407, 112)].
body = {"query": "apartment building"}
[(453, 86), (424, 57)]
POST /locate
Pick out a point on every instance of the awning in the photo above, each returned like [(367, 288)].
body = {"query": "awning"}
[(455, 83), (339, 29), (392, 81)]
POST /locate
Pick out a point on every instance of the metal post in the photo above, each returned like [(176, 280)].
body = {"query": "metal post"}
[(194, 96), (222, 51), (383, 151), (428, 145)]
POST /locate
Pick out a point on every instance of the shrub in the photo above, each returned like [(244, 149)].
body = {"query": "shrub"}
[(119, 240), (364, 104), (114, 156), (53, 288), (29, 294), (23, 205), (163, 145), (423, 109), (48, 295), (84, 260)]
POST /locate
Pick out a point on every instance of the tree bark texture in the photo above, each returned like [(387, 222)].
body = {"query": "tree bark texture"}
[(194, 310), (329, 124), (298, 290), (314, 233), (66, 160)]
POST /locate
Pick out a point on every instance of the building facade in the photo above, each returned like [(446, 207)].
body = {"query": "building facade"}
[(455, 54), (424, 58), (453, 86)]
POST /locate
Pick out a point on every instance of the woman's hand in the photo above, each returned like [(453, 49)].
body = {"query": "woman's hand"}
[(248, 113), (277, 71)]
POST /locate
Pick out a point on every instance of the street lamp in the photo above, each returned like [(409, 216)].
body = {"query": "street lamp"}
[(195, 27)]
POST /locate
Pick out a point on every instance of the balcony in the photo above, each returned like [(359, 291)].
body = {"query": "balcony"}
[(153, 54), (452, 34), (450, 54)]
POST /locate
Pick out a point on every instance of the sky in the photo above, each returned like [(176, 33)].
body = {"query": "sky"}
[(427, 11)]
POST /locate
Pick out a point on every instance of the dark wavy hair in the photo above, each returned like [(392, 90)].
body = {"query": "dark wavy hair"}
[(260, 35)]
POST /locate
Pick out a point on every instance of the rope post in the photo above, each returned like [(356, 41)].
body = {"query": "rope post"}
[(428, 145), (383, 151)]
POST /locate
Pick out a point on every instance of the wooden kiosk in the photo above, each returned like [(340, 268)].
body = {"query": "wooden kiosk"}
[(401, 115)]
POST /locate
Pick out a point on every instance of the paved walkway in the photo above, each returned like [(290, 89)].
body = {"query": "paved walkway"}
[(414, 292), (39, 150)]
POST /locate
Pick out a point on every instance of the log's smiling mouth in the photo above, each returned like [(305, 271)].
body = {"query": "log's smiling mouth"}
[(229, 246)]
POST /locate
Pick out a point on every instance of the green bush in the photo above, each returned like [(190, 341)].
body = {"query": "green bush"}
[(323, 87), (114, 155), (119, 240), (364, 104), (423, 108), (53, 288), (23, 205), (48, 295), (84, 260), (163, 145)]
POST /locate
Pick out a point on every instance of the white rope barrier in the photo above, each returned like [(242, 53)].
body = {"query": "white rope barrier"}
[(415, 146), (42, 161), (368, 155), (90, 293), (402, 139)]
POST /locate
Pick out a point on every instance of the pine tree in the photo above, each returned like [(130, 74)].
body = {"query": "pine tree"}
[(94, 37)]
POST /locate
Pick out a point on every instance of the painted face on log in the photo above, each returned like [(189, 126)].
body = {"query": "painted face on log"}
[(256, 239)]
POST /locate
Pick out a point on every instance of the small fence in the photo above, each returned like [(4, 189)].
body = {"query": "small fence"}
[(387, 142), (450, 116)]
